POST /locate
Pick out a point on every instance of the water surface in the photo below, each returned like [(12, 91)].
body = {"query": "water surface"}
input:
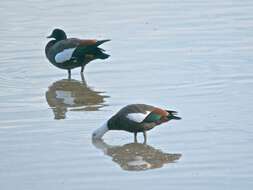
[(191, 56)]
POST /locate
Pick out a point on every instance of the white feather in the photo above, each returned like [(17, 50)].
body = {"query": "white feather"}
[(98, 133), (64, 55), (137, 117)]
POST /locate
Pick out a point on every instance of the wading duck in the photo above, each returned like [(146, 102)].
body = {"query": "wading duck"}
[(136, 118), (69, 53)]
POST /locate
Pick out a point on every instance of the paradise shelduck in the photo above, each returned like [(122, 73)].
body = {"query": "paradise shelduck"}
[(69, 53), (136, 118)]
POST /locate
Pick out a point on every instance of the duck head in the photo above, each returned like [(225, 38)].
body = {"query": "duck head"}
[(58, 34), (99, 133)]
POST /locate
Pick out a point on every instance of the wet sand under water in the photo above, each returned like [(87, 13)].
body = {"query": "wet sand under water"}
[(191, 56)]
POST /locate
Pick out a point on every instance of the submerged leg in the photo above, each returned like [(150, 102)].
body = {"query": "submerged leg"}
[(145, 137), (135, 137), (69, 74)]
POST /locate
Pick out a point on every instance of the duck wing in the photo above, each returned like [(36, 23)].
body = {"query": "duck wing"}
[(159, 115), (88, 49), (75, 49)]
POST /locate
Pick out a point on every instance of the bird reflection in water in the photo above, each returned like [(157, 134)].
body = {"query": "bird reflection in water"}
[(73, 95), (136, 156)]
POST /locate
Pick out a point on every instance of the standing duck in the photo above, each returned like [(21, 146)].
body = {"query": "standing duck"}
[(136, 118), (69, 53)]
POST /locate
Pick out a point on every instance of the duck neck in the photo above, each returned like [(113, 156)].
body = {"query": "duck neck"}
[(49, 45), (99, 133)]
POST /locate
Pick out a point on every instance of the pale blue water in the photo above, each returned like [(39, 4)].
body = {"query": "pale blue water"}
[(191, 56)]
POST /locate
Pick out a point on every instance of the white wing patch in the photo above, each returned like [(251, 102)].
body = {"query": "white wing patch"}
[(64, 55), (137, 117)]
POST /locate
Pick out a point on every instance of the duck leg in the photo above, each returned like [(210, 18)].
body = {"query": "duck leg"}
[(82, 68), (69, 74), (83, 80), (135, 137), (145, 137)]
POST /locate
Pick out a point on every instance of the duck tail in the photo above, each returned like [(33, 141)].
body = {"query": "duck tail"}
[(99, 42), (99, 53), (93, 50), (172, 115)]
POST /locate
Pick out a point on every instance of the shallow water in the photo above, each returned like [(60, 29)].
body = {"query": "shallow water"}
[(191, 56)]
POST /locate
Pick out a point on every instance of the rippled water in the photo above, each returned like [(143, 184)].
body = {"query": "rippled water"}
[(192, 56)]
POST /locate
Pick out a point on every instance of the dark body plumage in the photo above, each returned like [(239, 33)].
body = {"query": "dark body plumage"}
[(69, 53), (120, 121), (139, 118)]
